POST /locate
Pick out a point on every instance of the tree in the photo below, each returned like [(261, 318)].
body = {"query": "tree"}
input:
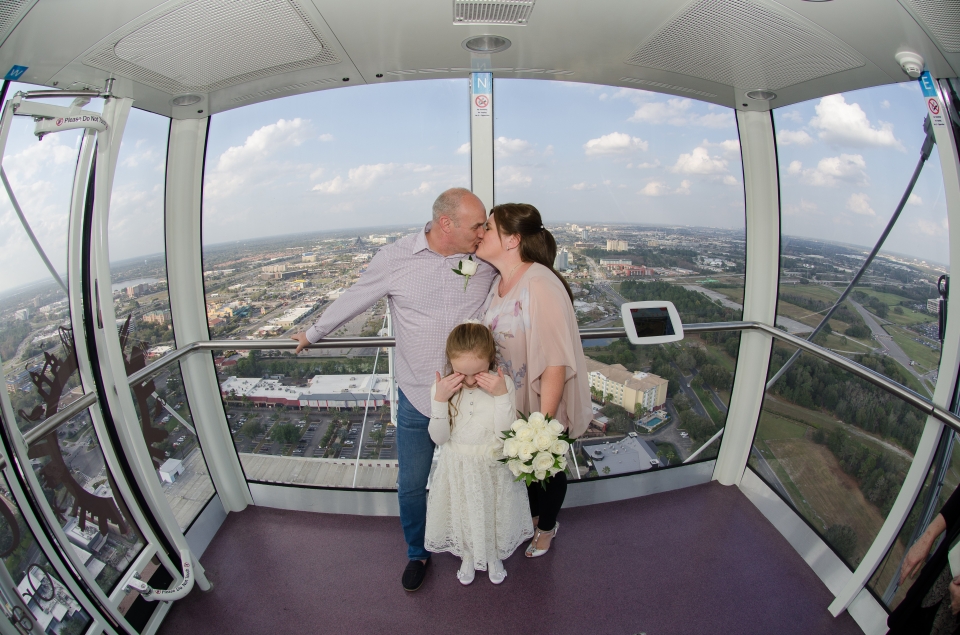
[(844, 540), (251, 428), (285, 433)]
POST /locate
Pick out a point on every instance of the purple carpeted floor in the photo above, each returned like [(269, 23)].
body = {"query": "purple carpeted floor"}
[(697, 560)]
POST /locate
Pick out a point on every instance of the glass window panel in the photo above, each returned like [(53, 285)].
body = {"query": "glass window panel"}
[(644, 194), (142, 304), (845, 161), (885, 581), (52, 607), (269, 423), (299, 193), (836, 448), (78, 486)]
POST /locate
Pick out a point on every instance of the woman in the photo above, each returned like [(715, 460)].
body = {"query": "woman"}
[(933, 602), (530, 311)]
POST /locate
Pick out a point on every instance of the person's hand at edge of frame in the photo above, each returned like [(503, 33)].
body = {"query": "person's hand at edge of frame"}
[(302, 341)]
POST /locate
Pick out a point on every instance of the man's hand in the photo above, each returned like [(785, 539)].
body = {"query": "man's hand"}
[(303, 342), (914, 560), (447, 386), (493, 384)]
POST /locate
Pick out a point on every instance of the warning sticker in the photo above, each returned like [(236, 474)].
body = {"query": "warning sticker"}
[(929, 88), (482, 91)]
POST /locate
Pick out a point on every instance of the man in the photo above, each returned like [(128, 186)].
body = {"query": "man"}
[(427, 299)]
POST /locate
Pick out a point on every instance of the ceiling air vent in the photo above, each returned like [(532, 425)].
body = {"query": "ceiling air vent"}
[(11, 12), (486, 12), (206, 45), (286, 89), (681, 89), (941, 18), (745, 44)]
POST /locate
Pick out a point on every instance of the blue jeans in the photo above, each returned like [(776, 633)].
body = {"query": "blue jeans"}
[(415, 454)]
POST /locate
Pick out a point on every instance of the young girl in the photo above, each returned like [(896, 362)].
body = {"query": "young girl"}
[(475, 509)]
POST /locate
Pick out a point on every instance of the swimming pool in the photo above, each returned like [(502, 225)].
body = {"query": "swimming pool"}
[(653, 423)]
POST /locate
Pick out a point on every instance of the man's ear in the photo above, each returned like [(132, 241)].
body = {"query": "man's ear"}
[(446, 224)]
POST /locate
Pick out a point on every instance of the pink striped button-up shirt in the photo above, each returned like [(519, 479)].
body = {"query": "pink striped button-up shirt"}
[(427, 300)]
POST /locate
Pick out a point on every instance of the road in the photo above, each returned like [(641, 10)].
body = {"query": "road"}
[(883, 338)]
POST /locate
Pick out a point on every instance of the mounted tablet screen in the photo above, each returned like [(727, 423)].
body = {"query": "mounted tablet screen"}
[(651, 322)]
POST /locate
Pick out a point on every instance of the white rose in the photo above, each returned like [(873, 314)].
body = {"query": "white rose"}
[(555, 427), (515, 467), (526, 469), (562, 463), (518, 425), (494, 452), (560, 447), (553, 470), (540, 475), (543, 461), (537, 419), (525, 434), (511, 447), (526, 450), (469, 267), (543, 440)]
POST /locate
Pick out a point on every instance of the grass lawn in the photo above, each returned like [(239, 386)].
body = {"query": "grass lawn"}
[(910, 317), (708, 404), (734, 293), (924, 356), (890, 299), (833, 495), (812, 291), (773, 426)]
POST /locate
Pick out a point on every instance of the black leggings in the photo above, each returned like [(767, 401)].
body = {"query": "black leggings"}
[(546, 503)]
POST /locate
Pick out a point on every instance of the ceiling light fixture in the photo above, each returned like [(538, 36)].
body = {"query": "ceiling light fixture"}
[(185, 100), (486, 44), (762, 95)]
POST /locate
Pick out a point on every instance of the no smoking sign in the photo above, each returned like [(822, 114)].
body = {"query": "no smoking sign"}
[(482, 101)]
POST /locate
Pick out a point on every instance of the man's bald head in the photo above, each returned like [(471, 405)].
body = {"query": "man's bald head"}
[(449, 203)]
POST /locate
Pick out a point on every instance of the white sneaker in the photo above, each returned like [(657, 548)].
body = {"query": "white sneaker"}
[(496, 571), (466, 572)]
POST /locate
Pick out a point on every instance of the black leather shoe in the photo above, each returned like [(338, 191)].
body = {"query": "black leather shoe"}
[(414, 575)]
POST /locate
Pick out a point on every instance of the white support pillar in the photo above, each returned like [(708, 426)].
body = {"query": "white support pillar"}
[(481, 137), (949, 358), (762, 188), (184, 190)]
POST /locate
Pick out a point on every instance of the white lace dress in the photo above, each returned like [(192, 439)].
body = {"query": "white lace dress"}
[(475, 508)]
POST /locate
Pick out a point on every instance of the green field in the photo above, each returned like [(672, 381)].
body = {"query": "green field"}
[(925, 357), (708, 404), (910, 317), (773, 426)]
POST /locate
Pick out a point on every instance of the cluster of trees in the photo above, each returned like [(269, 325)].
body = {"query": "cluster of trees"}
[(11, 336), (285, 433), (691, 305), (255, 365), (619, 420), (717, 376), (844, 539), (812, 383), (872, 302), (699, 428), (878, 475)]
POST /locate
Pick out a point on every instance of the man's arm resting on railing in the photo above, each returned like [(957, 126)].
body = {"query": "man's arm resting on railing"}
[(367, 291)]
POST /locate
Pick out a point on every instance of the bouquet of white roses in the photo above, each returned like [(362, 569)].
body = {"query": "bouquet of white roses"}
[(535, 448)]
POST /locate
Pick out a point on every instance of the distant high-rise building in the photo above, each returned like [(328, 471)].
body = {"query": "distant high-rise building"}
[(22, 314), (562, 261), (583, 234), (616, 245), (933, 305)]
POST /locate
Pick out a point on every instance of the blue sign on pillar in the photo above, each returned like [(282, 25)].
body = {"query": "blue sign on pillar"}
[(482, 94), (14, 73), (929, 88)]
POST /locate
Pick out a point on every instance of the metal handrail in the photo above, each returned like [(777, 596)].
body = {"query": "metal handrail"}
[(875, 378)]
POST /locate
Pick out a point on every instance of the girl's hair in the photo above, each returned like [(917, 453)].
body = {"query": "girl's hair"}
[(474, 339), (536, 243)]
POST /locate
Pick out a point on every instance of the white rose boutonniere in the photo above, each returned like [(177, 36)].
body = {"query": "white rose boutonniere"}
[(466, 268)]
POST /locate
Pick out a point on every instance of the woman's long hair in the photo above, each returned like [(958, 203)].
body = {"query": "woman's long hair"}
[(536, 243), (469, 338)]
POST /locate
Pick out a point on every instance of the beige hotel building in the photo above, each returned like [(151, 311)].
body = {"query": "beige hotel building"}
[(626, 389)]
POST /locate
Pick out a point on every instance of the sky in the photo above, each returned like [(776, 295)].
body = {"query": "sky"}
[(370, 156)]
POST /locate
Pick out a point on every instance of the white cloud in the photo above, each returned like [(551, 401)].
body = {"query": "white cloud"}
[(363, 177), (424, 188), (582, 186), (316, 174), (849, 168), (677, 112), (504, 147), (509, 176), (805, 208), (464, 149), (646, 165), (684, 187), (238, 165), (914, 200), (885, 104), (846, 124), (699, 161), (792, 115), (614, 143), (730, 180), (325, 137), (549, 151), (860, 204), (655, 188), (931, 228), (794, 137)]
